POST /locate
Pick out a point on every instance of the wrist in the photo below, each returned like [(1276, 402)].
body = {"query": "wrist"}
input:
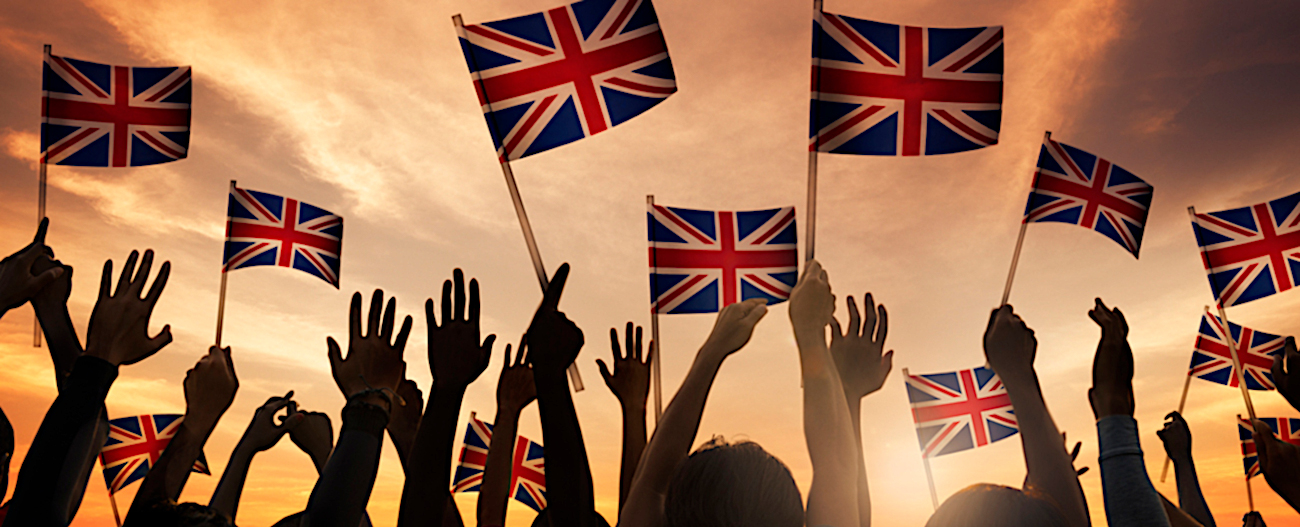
[(199, 425), (507, 412), (634, 406)]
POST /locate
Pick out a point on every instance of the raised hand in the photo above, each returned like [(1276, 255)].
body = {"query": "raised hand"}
[(1280, 463), (19, 282), (314, 435), (553, 340), (812, 306), (1252, 519), (58, 290), (263, 433), (515, 388), (119, 324), (1176, 436), (455, 355), (374, 359), (210, 387), (630, 380), (1112, 370), (1009, 344), (1285, 374), (859, 353), (404, 420)]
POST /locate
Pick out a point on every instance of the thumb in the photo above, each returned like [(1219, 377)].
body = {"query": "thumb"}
[(335, 354), (888, 362), (41, 280), (604, 371)]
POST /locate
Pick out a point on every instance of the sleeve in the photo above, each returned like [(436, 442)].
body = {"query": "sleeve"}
[(1130, 498)]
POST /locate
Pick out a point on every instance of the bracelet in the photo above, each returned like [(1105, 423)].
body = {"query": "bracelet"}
[(386, 393)]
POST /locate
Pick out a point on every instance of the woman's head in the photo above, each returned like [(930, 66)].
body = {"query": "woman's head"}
[(733, 484), (986, 505)]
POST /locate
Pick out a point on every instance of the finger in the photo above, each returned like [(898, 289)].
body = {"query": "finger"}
[(428, 314), (757, 314), (474, 305), (1264, 441), (159, 282), (157, 343), (638, 342), (614, 345), (1279, 376), (40, 232), (403, 334), (1171, 415), (376, 309), (446, 302), (551, 300), (836, 332), (604, 371), (335, 354), (487, 342), (1123, 323), (44, 279), (628, 340), (650, 353), (521, 357), (1074, 454), (354, 317), (142, 274), (459, 277), (882, 327), (229, 362), (1292, 356), (128, 270), (390, 318), (1081, 471), (888, 362), (855, 316), (106, 281)]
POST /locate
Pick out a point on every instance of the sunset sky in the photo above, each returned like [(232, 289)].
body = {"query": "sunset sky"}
[(366, 109)]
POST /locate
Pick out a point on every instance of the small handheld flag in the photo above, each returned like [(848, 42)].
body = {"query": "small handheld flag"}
[(1287, 429), (473, 456), (551, 78), (704, 260), (959, 410), (266, 229), (527, 475), (135, 444), (1251, 252), (1073, 186), (1212, 358), (99, 115)]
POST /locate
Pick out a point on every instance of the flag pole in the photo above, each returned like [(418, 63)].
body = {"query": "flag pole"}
[(40, 200), (1250, 497), (929, 477), (221, 297), (112, 500), (1227, 326), (654, 319), (1020, 240), (518, 200), (810, 212), (1187, 383)]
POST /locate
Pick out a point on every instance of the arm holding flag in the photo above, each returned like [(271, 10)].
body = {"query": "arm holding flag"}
[(1177, 438), (18, 282), (1286, 364), (515, 391), (1279, 461)]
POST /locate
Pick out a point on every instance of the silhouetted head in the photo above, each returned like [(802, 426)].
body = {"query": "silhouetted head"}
[(733, 485), (543, 519), (172, 514), (986, 505)]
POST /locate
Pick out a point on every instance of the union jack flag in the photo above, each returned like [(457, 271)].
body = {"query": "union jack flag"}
[(552, 78), (1073, 186), (887, 90), (1251, 252), (265, 229), (1287, 429), (528, 474), (1212, 358), (960, 410), (98, 115), (135, 444), (704, 260)]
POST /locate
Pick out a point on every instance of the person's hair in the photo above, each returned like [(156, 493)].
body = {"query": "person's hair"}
[(733, 485), (172, 514), (986, 505)]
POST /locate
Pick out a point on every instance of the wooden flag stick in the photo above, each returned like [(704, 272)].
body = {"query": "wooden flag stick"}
[(654, 319), (1250, 497), (221, 296), (40, 200), (529, 239), (1227, 326), (1020, 240), (112, 500), (1187, 383), (929, 477), (810, 210)]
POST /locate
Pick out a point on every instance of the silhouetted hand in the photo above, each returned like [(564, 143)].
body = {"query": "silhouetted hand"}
[(1287, 385), (375, 358), (858, 353), (57, 291), (1112, 370), (1252, 519), (263, 433), (1009, 344), (553, 340), (1280, 463), (733, 327), (315, 435), (455, 354), (630, 380), (812, 306), (515, 387), (404, 421), (1176, 436), (19, 282), (1074, 458), (210, 387), (119, 324)]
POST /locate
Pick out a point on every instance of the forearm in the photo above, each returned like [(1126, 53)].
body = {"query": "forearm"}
[(864, 492), (571, 498), (225, 498), (669, 445), (166, 479), (39, 495), (341, 493), (426, 483), (402, 443), (634, 439), (1190, 498), (60, 336), (1131, 500), (832, 497), (1050, 469), (494, 494)]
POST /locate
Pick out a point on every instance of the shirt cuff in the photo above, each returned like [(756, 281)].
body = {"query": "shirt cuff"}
[(364, 417), (91, 377), (1117, 435)]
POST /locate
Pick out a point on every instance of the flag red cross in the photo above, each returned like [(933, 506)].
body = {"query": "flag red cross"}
[(523, 471), (286, 232), (913, 87), (1244, 358), (973, 406), (1092, 193), (1271, 244), (120, 114), (150, 444), (726, 258), (577, 66)]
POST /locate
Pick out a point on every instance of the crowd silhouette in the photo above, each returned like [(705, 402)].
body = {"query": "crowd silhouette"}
[(662, 482)]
